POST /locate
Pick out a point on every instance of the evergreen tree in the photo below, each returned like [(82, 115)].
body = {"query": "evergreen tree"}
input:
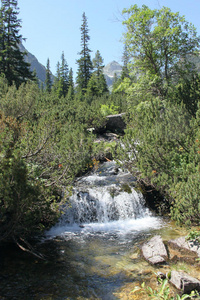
[(48, 81), (84, 62), (70, 93), (64, 77), (98, 70), (57, 77), (97, 84), (125, 59), (71, 81), (12, 63), (98, 63), (92, 88), (61, 83)]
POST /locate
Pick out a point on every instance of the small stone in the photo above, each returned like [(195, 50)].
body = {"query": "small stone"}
[(161, 275), (184, 282)]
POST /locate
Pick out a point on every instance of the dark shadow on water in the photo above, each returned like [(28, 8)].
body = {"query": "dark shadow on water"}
[(67, 273)]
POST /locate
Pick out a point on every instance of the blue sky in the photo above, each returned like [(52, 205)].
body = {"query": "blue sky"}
[(53, 26)]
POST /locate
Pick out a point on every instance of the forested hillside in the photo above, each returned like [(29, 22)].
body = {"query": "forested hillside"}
[(44, 137)]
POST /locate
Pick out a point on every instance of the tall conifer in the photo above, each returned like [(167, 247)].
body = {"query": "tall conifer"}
[(126, 61), (48, 81), (64, 76), (70, 94), (98, 73), (12, 63), (84, 62), (61, 82)]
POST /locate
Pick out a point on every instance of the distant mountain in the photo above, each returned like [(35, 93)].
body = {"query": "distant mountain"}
[(110, 70), (32, 60)]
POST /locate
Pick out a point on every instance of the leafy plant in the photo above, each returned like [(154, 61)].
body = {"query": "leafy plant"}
[(163, 292), (194, 235), (109, 109)]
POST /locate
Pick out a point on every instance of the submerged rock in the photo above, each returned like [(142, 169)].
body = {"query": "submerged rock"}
[(184, 282), (154, 251)]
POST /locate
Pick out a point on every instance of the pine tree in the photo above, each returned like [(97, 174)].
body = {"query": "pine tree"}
[(61, 83), (57, 77), (98, 63), (84, 63), (125, 59), (64, 76), (70, 94), (12, 63), (98, 72), (48, 81)]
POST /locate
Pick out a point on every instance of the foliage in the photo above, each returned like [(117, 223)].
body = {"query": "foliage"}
[(41, 151), (44, 138), (194, 235), (98, 63), (187, 92), (163, 292), (161, 142), (24, 209), (97, 84), (48, 81), (159, 43), (84, 62), (109, 109), (12, 63), (61, 83)]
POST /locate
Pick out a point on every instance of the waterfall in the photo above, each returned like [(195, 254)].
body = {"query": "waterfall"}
[(105, 200), (103, 204), (106, 195)]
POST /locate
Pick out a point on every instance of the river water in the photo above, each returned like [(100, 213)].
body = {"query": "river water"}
[(93, 251)]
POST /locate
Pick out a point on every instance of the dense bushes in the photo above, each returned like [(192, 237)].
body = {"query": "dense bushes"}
[(24, 207), (162, 143), (43, 146)]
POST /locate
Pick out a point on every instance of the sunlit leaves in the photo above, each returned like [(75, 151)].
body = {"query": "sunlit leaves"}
[(159, 42)]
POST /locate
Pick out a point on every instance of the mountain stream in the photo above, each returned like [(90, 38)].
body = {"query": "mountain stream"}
[(93, 251)]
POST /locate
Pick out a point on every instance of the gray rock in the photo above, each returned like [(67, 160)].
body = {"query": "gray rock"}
[(185, 247), (184, 282), (154, 250), (115, 123), (157, 259)]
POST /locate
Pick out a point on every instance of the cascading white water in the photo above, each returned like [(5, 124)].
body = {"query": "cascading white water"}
[(105, 196), (105, 201), (103, 204)]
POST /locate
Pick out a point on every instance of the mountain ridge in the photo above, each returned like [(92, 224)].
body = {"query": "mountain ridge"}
[(34, 63), (109, 70)]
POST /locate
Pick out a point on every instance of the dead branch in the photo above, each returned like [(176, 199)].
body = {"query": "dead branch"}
[(28, 248)]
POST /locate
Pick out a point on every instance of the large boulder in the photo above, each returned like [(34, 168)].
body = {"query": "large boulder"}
[(184, 282), (154, 251), (187, 250), (115, 123)]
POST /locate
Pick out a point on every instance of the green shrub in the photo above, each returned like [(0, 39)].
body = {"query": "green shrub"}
[(109, 109)]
